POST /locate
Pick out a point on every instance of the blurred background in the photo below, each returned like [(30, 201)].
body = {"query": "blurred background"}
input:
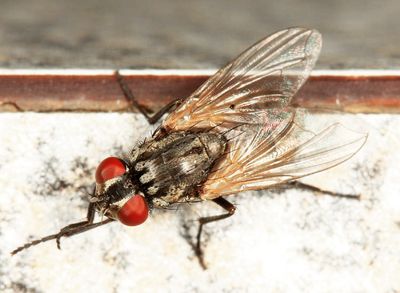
[(189, 34)]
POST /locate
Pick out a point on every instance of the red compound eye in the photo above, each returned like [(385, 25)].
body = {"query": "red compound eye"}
[(134, 212), (109, 168)]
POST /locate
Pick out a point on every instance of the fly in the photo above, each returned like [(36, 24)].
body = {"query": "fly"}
[(237, 132)]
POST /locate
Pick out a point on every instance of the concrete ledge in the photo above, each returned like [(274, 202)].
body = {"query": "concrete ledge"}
[(288, 240)]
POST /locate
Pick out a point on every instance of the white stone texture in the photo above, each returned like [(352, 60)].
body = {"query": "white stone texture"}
[(288, 241)]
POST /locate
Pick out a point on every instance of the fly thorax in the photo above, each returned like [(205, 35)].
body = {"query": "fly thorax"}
[(176, 165)]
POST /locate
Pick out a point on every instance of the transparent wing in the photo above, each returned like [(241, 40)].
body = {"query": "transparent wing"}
[(248, 101), (265, 76), (261, 158)]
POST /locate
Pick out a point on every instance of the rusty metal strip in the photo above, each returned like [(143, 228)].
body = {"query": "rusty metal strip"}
[(366, 92)]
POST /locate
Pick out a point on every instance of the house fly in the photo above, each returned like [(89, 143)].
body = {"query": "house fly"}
[(236, 132)]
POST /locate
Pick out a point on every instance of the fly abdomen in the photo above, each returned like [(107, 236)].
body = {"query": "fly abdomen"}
[(177, 165)]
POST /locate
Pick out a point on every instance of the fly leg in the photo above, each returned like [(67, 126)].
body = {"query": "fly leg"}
[(76, 226), (134, 104), (226, 205), (69, 230), (304, 186)]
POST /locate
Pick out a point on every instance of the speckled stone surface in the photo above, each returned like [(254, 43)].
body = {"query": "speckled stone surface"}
[(279, 241), (189, 34)]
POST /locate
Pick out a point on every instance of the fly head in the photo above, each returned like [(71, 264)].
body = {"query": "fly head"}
[(116, 196)]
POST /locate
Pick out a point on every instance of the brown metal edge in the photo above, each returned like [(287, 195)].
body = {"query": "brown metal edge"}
[(101, 93)]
